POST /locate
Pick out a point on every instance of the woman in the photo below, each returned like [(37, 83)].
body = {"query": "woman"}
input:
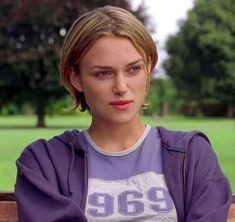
[(119, 169)]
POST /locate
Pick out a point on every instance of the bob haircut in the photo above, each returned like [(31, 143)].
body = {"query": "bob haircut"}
[(91, 26)]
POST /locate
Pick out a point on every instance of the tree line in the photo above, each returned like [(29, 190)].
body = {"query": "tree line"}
[(200, 65)]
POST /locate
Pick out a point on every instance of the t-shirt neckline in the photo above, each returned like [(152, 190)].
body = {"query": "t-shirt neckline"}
[(121, 153)]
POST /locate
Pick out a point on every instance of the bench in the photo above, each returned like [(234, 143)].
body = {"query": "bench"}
[(231, 213), (8, 208)]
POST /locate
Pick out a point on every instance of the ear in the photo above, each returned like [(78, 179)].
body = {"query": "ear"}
[(75, 80)]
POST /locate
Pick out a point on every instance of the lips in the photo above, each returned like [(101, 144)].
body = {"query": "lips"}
[(121, 104)]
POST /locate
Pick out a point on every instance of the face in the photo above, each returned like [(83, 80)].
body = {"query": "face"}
[(113, 77)]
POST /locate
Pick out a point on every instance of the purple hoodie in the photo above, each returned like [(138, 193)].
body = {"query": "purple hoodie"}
[(52, 179)]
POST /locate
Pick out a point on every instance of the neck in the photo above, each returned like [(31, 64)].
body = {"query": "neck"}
[(116, 137)]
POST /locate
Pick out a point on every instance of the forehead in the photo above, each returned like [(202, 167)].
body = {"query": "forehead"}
[(111, 49)]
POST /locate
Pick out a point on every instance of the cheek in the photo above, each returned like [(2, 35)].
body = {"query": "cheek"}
[(94, 93), (141, 84)]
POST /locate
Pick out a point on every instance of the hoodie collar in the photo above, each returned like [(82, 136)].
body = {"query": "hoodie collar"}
[(178, 140), (171, 140), (71, 137)]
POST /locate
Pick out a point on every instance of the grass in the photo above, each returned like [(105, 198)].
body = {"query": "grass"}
[(18, 131)]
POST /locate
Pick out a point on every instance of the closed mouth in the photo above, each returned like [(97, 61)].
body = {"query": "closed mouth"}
[(121, 102)]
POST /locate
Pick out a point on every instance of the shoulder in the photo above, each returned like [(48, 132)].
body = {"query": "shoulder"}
[(55, 149), (194, 145), (201, 159), (56, 142), (42, 146), (195, 148), (181, 141)]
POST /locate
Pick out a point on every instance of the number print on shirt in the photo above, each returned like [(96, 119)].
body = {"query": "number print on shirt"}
[(159, 196), (103, 203), (129, 203)]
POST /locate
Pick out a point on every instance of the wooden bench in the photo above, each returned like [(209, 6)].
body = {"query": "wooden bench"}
[(8, 208), (231, 213)]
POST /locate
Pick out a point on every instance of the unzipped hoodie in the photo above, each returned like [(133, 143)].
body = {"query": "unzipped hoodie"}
[(52, 179)]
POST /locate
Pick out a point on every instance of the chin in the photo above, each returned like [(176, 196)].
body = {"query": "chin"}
[(124, 119)]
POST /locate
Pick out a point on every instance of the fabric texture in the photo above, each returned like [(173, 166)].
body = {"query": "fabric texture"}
[(52, 178)]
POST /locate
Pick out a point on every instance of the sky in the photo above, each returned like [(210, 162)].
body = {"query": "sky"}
[(164, 16)]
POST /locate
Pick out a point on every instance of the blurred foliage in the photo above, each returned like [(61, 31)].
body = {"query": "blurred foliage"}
[(162, 98), (201, 60), (31, 35)]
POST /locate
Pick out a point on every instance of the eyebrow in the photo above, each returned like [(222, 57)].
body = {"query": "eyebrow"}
[(135, 62), (108, 67)]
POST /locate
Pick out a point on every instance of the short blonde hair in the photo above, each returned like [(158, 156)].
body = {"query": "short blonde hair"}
[(89, 27)]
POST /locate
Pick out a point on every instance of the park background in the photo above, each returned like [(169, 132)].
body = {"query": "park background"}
[(194, 88)]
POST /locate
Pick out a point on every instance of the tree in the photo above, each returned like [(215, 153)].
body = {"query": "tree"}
[(201, 60), (162, 98), (31, 35)]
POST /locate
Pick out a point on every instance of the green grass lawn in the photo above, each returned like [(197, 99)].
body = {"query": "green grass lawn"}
[(18, 131)]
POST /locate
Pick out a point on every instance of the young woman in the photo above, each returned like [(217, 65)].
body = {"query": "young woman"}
[(119, 169)]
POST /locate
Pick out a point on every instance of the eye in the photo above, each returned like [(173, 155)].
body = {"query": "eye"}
[(135, 69), (103, 74)]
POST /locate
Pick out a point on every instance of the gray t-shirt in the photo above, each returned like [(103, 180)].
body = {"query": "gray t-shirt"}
[(128, 185)]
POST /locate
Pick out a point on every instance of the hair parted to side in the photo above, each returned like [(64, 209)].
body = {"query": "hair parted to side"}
[(89, 27)]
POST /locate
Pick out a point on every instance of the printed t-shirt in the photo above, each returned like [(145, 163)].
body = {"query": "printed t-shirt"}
[(128, 185)]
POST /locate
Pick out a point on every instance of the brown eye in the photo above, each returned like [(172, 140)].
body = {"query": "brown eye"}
[(103, 74), (135, 69)]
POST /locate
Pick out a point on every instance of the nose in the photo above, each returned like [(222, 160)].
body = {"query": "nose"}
[(120, 85)]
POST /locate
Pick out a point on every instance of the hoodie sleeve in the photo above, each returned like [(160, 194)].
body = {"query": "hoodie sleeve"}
[(38, 194), (208, 194)]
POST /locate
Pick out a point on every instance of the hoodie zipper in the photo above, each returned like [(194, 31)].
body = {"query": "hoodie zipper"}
[(85, 185), (184, 180)]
